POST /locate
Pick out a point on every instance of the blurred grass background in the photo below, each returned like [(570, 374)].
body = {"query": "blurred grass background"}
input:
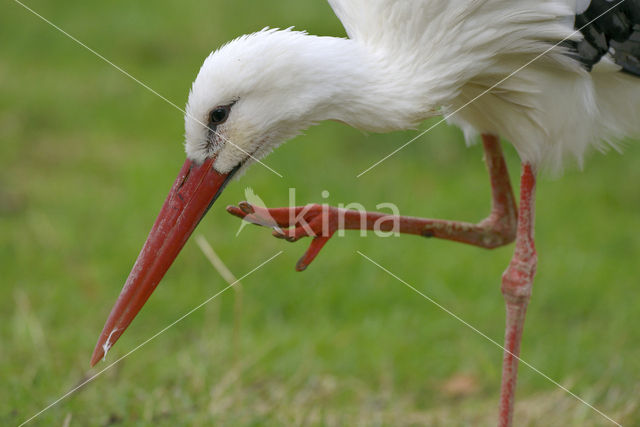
[(86, 159)]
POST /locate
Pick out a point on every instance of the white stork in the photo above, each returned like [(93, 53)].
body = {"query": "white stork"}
[(514, 68)]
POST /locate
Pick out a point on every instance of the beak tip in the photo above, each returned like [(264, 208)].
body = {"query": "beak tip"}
[(97, 355)]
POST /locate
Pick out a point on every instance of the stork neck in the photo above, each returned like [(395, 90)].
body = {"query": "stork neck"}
[(367, 89)]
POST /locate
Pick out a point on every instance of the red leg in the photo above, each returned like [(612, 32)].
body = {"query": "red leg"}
[(321, 221), (517, 281)]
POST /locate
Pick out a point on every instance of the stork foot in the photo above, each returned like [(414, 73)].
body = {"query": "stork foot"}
[(292, 224)]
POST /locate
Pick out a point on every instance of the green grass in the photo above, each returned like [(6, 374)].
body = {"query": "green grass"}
[(86, 158)]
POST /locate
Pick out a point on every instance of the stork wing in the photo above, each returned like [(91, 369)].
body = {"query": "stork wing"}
[(610, 27), (615, 32), (356, 15), (395, 23), (369, 21)]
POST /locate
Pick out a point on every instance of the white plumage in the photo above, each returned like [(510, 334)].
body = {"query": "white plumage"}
[(406, 61), (514, 68)]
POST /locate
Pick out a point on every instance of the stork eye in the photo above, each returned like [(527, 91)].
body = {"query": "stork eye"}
[(219, 115)]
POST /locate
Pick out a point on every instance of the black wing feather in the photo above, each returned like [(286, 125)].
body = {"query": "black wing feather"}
[(617, 31)]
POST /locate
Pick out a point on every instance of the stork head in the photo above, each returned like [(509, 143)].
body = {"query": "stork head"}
[(249, 96), (255, 93)]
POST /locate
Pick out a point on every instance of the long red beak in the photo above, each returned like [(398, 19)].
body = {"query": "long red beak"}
[(192, 194)]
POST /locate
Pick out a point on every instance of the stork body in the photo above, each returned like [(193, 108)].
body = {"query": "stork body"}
[(490, 66)]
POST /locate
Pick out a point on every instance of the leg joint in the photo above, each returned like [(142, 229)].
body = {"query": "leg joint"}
[(517, 280), (500, 229)]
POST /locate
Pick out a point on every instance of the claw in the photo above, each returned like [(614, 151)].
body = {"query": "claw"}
[(278, 234), (314, 249), (246, 208), (281, 234), (235, 211)]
